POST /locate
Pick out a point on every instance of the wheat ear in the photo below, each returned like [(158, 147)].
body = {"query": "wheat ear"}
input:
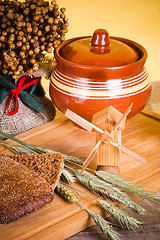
[(99, 221), (127, 186), (121, 217), (107, 190), (67, 176)]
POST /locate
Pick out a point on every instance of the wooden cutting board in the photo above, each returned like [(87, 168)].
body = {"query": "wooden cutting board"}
[(60, 219)]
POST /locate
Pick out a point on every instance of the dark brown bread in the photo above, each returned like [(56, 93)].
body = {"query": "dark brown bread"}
[(47, 165), (21, 190)]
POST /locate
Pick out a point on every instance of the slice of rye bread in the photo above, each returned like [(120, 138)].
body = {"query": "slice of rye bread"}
[(21, 190), (48, 165)]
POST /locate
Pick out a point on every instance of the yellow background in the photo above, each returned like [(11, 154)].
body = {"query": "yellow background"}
[(138, 20)]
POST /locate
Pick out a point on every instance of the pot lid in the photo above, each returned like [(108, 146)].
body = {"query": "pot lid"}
[(99, 50)]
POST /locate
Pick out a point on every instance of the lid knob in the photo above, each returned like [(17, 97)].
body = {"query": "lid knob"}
[(100, 38)]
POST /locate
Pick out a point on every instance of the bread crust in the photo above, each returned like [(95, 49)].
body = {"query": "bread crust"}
[(21, 190), (47, 165)]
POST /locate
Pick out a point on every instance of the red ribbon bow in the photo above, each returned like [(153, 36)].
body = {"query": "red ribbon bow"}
[(16, 91)]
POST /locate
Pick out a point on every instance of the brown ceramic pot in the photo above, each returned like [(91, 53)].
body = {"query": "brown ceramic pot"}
[(96, 71)]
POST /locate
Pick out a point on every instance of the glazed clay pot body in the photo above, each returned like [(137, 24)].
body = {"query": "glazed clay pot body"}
[(86, 81)]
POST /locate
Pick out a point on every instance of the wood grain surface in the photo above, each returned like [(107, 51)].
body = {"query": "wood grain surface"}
[(60, 219)]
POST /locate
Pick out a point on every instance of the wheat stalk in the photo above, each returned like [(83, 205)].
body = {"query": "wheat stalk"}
[(76, 161), (72, 159), (99, 221), (67, 176), (120, 182), (106, 190), (31, 147), (104, 225), (122, 217), (127, 186), (132, 223)]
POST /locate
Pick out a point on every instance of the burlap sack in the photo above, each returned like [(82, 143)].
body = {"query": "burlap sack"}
[(26, 118)]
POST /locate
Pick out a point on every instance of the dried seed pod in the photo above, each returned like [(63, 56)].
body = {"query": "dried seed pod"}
[(36, 18), (36, 50), (62, 38), (21, 33), (24, 62), (30, 71), (19, 18), (56, 13), (62, 15), (19, 24), (12, 46), (30, 52), (42, 48), (2, 38), (11, 29), (56, 7), (14, 67), (33, 61), (22, 54), (66, 24), (28, 24), (63, 10), (23, 24), (65, 19), (20, 68), (35, 30), (29, 37), (53, 2), (50, 44), (4, 33), (35, 67), (50, 8), (49, 50), (15, 60), (27, 19), (19, 44), (4, 26), (41, 20), (47, 28), (9, 23), (12, 54), (50, 20), (39, 33), (36, 38), (19, 38), (54, 28), (32, 41), (27, 29), (26, 11), (10, 72), (56, 21), (32, 6), (17, 72), (51, 39), (27, 45), (46, 17), (24, 48), (4, 71), (10, 64), (24, 40)]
